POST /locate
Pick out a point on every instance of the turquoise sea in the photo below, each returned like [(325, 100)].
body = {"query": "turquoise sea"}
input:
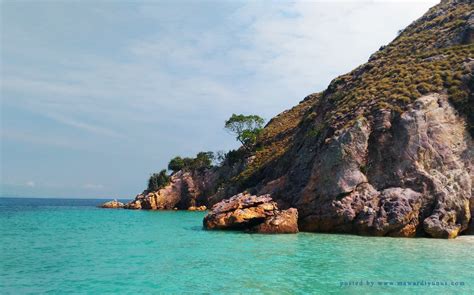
[(70, 246)]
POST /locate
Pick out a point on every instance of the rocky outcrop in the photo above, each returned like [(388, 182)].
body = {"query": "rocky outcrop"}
[(391, 175), (187, 189), (251, 213), (114, 204), (385, 150)]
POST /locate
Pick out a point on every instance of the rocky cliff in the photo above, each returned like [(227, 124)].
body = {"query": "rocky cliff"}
[(385, 150), (187, 189)]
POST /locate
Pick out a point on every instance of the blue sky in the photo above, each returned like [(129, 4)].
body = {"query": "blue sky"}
[(96, 95)]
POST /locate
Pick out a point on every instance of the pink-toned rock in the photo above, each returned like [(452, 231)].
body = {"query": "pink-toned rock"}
[(283, 222), (114, 204), (185, 190), (394, 174), (197, 208), (251, 213)]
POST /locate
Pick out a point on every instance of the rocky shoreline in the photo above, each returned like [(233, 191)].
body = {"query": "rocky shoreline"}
[(421, 186), (250, 213), (386, 150)]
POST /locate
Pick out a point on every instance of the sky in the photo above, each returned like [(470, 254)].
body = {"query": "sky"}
[(97, 95)]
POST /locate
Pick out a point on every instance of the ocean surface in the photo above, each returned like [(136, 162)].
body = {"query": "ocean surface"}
[(70, 246)]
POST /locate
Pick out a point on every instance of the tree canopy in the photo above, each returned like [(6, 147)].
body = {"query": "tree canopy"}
[(201, 161), (245, 128), (158, 180), (176, 164)]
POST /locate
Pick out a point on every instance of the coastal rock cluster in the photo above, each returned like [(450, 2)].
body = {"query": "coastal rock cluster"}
[(251, 213), (186, 190)]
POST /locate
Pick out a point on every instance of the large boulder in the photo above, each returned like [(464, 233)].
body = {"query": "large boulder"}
[(251, 213), (285, 221)]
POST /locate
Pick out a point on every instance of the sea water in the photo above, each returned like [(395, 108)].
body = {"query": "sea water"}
[(70, 246)]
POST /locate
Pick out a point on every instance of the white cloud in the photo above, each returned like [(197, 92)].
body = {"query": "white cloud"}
[(30, 183), (161, 78), (30, 138), (84, 126), (263, 56)]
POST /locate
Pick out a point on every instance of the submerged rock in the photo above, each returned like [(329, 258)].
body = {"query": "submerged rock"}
[(114, 204), (251, 213), (197, 208)]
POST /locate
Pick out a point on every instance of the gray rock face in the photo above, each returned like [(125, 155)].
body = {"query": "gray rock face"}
[(251, 213), (398, 175)]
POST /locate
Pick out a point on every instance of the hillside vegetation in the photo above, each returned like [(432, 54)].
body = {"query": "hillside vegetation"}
[(385, 150), (434, 54)]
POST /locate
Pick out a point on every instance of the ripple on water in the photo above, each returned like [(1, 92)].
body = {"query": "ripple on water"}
[(78, 249)]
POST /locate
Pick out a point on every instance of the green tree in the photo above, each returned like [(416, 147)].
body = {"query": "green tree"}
[(176, 164), (245, 128), (203, 160), (158, 180), (188, 163), (234, 156)]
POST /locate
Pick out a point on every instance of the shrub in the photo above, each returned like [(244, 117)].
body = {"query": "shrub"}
[(203, 160), (423, 88), (176, 164), (219, 158), (158, 180), (234, 156), (188, 162)]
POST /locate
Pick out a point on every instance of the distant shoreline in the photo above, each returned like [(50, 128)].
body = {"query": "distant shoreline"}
[(62, 198)]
